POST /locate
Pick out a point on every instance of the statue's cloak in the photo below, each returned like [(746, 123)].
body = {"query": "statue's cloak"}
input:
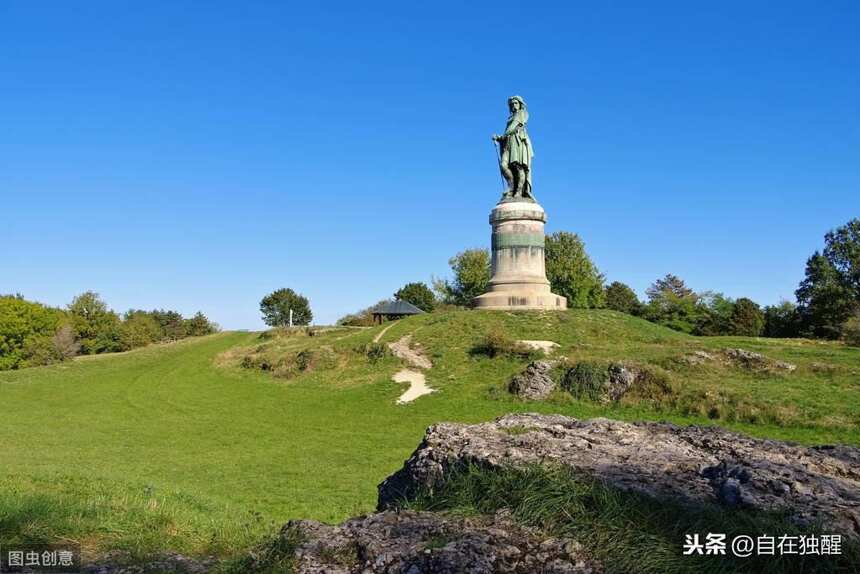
[(517, 143)]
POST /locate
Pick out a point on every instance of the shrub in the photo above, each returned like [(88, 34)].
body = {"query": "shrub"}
[(375, 352), (851, 330), (497, 343), (304, 359), (653, 385), (586, 380)]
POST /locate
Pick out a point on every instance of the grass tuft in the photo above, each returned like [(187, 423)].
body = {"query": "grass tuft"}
[(628, 532)]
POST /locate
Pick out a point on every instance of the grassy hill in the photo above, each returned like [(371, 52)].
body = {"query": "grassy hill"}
[(205, 445)]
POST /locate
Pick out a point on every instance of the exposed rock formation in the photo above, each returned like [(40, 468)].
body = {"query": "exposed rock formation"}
[(752, 360), (688, 464), (423, 542), (621, 378), (535, 382)]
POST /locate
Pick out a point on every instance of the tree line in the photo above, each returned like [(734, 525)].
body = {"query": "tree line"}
[(33, 334), (827, 299)]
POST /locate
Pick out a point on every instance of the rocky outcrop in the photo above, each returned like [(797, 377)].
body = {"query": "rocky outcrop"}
[(117, 563), (690, 465), (409, 542), (756, 361), (534, 383), (621, 378)]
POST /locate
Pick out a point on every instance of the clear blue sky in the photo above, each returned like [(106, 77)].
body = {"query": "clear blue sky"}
[(197, 155)]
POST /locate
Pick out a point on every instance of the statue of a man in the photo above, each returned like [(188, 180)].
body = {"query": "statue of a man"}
[(515, 159)]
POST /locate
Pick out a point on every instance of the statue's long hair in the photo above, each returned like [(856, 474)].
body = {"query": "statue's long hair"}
[(522, 102)]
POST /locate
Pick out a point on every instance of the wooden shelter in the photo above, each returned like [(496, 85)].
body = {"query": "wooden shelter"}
[(391, 310)]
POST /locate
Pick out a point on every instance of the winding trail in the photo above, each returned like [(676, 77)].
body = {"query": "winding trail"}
[(416, 379), (379, 335)]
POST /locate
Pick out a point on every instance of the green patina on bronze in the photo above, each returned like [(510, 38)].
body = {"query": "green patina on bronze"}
[(515, 152), (509, 240)]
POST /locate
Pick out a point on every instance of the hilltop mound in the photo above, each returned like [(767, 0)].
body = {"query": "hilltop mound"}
[(475, 354)]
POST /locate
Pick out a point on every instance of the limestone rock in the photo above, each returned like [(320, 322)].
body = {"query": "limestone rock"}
[(534, 383), (410, 542), (115, 563), (753, 360), (621, 378), (698, 358), (691, 465)]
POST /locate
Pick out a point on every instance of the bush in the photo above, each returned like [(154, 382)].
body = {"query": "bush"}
[(305, 359), (851, 331), (375, 352), (497, 343), (586, 380)]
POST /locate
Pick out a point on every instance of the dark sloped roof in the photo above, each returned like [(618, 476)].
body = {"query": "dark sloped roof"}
[(397, 308)]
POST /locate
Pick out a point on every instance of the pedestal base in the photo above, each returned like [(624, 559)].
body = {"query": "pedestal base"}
[(521, 300), (518, 267)]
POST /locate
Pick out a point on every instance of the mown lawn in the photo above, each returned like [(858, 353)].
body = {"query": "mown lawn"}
[(178, 447)]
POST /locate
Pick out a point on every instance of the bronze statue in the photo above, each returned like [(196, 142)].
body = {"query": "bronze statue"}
[(515, 159)]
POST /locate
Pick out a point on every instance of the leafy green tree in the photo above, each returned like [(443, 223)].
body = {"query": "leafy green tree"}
[(276, 306), (471, 275), (171, 324), (199, 325), (830, 292), (747, 318), (96, 325), (26, 329), (670, 284), (138, 330), (571, 272), (620, 297), (781, 320), (419, 294), (713, 314), (824, 300), (842, 250), (673, 304)]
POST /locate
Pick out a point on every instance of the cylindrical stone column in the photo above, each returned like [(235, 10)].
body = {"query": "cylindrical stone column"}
[(518, 265)]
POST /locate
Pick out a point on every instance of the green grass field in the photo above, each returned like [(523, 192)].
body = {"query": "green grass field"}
[(180, 447)]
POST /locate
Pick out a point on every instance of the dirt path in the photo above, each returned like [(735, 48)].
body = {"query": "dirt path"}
[(416, 379), (379, 335)]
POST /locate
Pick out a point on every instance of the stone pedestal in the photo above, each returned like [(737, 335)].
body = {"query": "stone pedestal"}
[(518, 269)]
